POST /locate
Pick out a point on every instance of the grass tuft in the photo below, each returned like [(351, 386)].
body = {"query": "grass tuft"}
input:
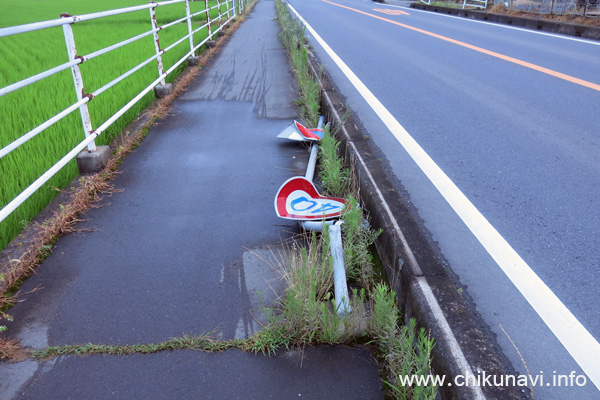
[(406, 352), (12, 351), (335, 177)]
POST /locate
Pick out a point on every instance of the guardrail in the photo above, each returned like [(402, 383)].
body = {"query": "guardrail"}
[(585, 8), (66, 21), (466, 3), (475, 3)]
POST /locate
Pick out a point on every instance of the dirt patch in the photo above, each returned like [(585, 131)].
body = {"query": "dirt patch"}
[(573, 19)]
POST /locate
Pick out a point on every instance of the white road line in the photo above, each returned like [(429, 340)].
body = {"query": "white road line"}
[(570, 332), (500, 25)]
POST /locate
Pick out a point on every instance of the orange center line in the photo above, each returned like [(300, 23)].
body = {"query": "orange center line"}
[(526, 64)]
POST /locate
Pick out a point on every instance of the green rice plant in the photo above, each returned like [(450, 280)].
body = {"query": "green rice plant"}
[(31, 53)]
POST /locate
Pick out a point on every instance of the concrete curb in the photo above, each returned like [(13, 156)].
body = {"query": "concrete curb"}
[(463, 343), (563, 28)]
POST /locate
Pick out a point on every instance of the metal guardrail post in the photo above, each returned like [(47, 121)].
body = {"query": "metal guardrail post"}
[(193, 60), (208, 19), (159, 52), (587, 6), (78, 82), (220, 15), (189, 24)]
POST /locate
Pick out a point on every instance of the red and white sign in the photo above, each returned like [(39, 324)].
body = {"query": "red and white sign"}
[(297, 131), (298, 199)]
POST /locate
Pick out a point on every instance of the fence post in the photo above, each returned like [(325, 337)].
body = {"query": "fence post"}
[(193, 60), (78, 81), (163, 89), (220, 33), (95, 158), (587, 5), (210, 42)]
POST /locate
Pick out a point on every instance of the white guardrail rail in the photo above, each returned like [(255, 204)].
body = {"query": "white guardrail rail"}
[(66, 21), (466, 3)]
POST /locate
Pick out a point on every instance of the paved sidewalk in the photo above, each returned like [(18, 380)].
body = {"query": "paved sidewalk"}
[(180, 250)]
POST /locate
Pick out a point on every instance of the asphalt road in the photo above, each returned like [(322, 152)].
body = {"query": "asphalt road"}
[(521, 141)]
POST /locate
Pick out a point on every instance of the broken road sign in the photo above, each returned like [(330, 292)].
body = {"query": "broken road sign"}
[(299, 199)]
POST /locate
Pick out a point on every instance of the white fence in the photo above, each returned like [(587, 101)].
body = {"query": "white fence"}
[(66, 21)]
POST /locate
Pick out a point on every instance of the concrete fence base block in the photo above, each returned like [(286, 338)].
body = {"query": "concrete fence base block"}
[(221, 33), (210, 44), (193, 61), (161, 91), (93, 161)]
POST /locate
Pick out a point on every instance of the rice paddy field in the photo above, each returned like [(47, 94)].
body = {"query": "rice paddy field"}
[(24, 55)]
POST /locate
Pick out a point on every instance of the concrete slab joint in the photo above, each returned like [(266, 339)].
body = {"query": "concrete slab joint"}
[(89, 162), (161, 91)]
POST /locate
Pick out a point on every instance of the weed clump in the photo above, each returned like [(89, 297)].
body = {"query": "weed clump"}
[(336, 179), (306, 312), (407, 352), (11, 350)]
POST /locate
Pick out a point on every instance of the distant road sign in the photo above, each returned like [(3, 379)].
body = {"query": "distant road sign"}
[(297, 131), (298, 199)]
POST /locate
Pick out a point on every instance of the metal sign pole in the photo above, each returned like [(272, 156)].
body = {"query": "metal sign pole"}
[(340, 286), (312, 160)]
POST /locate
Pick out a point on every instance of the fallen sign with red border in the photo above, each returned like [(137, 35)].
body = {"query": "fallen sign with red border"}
[(299, 199), (298, 132)]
